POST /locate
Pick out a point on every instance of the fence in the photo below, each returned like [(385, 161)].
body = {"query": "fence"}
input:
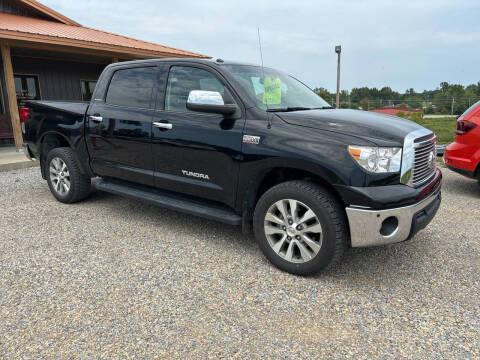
[(444, 106)]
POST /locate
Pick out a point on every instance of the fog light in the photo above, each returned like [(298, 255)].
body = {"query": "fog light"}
[(389, 226)]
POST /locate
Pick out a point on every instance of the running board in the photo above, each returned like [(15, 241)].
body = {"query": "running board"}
[(170, 200)]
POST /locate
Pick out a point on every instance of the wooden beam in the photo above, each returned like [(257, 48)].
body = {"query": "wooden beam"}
[(11, 95)]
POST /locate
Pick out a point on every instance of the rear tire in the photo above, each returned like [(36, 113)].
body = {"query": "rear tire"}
[(66, 182), (300, 227)]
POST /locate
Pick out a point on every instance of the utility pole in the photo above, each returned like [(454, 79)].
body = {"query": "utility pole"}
[(338, 50), (453, 101)]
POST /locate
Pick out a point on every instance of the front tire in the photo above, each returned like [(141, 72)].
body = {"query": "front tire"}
[(300, 227), (66, 182)]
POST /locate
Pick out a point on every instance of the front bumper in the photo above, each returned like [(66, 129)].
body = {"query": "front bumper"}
[(381, 227), (460, 171)]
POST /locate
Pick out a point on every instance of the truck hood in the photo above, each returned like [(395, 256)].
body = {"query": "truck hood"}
[(378, 128)]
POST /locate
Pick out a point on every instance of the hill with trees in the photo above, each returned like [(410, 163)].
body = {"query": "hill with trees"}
[(446, 99)]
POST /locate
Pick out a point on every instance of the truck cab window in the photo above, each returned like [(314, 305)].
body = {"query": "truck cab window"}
[(132, 87), (87, 86), (182, 80)]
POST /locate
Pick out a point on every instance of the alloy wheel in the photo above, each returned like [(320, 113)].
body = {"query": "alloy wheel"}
[(293, 231), (59, 176)]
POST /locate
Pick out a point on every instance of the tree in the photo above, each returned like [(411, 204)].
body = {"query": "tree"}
[(435, 101), (386, 93), (344, 95), (325, 95), (364, 104), (410, 91), (444, 86)]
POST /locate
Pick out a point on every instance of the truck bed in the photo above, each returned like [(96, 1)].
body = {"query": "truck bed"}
[(61, 119), (72, 107)]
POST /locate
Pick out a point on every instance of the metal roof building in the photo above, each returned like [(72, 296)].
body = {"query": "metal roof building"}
[(47, 56)]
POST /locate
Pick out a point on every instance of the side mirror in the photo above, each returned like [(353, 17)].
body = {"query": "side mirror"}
[(209, 102)]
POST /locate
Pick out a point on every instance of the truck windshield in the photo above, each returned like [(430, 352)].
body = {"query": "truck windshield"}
[(272, 90)]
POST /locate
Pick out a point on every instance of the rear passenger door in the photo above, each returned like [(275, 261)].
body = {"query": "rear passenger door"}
[(119, 126)]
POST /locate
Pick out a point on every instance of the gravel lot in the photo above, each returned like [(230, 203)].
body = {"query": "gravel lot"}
[(114, 278)]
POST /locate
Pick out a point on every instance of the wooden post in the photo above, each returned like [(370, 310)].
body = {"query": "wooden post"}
[(11, 95)]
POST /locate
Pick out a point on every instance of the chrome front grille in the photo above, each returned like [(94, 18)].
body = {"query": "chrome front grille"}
[(425, 162)]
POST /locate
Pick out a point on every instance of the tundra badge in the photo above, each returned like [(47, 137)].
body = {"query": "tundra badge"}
[(196, 175)]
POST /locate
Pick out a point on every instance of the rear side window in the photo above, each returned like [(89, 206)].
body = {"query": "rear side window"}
[(132, 87)]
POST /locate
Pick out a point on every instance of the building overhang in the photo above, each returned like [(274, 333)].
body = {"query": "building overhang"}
[(19, 39), (53, 33), (45, 10)]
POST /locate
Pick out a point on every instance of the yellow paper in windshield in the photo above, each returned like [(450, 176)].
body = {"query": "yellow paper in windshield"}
[(272, 94)]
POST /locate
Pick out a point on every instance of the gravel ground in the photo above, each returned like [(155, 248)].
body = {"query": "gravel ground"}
[(114, 278)]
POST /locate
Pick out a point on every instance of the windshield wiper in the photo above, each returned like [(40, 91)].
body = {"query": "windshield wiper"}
[(298, 108), (290, 108)]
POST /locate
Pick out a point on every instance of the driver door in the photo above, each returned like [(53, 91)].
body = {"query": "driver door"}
[(196, 153)]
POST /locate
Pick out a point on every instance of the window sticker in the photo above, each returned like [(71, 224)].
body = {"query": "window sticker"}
[(272, 94)]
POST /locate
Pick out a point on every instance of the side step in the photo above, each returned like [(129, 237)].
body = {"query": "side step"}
[(169, 200)]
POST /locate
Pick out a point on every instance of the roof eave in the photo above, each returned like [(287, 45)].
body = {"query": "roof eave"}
[(49, 12), (81, 44)]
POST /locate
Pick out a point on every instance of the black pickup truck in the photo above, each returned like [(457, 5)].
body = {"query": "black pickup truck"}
[(244, 145)]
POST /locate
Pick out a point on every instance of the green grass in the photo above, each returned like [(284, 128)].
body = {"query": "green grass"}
[(444, 128), (440, 163)]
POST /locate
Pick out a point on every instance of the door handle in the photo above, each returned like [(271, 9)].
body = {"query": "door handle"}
[(161, 125), (96, 118)]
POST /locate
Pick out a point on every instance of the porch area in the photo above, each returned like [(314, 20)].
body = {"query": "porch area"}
[(40, 74), (13, 159)]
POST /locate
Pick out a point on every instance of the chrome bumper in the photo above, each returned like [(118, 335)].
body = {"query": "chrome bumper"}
[(367, 227)]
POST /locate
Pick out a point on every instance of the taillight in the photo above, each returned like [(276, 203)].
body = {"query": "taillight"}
[(24, 112), (464, 126)]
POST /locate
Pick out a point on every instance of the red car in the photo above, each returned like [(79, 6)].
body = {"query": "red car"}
[(463, 155)]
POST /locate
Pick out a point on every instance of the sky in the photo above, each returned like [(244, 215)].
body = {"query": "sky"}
[(401, 44)]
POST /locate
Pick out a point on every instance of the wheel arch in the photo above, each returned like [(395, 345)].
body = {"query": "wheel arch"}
[(274, 175), (48, 141)]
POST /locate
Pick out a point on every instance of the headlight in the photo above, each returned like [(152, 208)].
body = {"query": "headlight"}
[(377, 159)]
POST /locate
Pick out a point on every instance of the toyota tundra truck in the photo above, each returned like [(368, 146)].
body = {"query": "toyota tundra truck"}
[(244, 145)]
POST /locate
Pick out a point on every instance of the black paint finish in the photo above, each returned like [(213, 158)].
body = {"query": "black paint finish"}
[(198, 143), (120, 146), (203, 155), (383, 130), (61, 122)]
